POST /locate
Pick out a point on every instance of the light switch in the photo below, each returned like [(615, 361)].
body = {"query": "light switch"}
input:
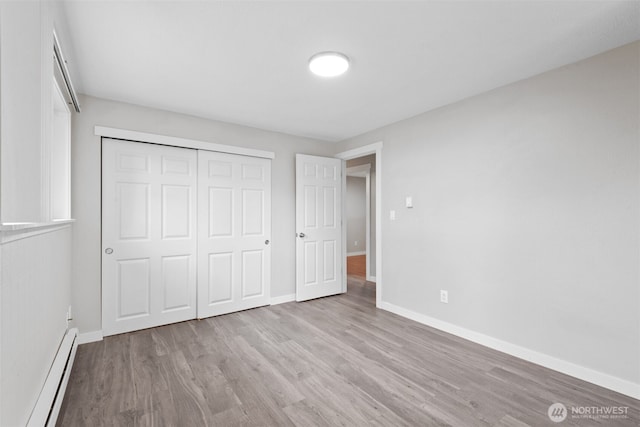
[(409, 202), (392, 215)]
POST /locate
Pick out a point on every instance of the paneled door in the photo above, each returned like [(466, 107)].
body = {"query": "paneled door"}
[(234, 222), (148, 235), (319, 250)]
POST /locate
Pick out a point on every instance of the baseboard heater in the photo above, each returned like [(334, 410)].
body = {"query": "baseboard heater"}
[(49, 402)]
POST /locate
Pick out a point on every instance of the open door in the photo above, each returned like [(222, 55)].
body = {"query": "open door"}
[(319, 250)]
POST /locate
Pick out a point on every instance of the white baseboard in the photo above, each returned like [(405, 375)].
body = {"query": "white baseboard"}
[(88, 337), (356, 253), (586, 374), (47, 407), (371, 279), (282, 299)]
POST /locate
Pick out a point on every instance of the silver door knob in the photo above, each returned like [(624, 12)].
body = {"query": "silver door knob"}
[(266, 242), (301, 235), (108, 251)]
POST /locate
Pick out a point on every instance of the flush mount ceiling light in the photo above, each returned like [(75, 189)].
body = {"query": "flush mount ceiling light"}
[(328, 64)]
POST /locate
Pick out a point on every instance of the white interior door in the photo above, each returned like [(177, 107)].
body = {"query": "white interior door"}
[(319, 246), (234, 222), (148, 235)]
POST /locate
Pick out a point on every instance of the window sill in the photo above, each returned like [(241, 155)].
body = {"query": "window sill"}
[(21, 230)]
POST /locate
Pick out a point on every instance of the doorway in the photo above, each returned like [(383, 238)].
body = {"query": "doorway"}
[(365, 161), (358, 216)]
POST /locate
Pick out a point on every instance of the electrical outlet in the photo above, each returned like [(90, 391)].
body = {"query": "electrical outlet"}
[(444, 296), (355, 243), (409, 202), (392, 215)]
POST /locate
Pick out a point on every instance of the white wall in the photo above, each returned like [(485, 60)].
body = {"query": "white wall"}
[(35, 277), (356, 214), (527, 211), (86, 293), (21, 103), (35, 268)]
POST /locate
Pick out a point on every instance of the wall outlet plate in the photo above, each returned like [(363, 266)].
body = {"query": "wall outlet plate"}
[(444, 296)]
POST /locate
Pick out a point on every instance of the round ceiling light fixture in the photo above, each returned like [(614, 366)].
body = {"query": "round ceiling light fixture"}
[(329, 64)]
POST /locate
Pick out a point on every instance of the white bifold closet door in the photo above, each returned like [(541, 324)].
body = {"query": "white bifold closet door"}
[(149, 235), (234, 220)]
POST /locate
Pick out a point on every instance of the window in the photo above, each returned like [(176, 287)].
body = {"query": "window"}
[(37, 97), (60, 157)]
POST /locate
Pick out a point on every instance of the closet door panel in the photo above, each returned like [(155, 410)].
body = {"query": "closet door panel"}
[(148, 235), (234, 248)]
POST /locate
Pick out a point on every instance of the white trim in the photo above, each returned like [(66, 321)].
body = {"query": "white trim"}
[(173, 141), (343, 223), (359, 253), (11, 232), (371, 279), (59, 142), (375, 148), (18, 226), (359, 171), (46, 127), (88, 337), (367, 222), (282, 299), (583, 373), (361, 152)]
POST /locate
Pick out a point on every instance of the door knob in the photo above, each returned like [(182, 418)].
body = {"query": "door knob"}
[(266, 242), (301, 235), (108, 251)]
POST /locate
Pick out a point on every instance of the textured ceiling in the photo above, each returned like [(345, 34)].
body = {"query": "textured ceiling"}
[(246, 62)]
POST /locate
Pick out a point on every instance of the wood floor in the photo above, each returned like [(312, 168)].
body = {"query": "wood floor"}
[(357, 265), (331, 361)]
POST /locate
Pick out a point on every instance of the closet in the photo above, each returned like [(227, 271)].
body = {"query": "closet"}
[(185, 234)]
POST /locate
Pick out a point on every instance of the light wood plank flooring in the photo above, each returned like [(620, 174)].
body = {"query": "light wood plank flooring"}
[(331, 361)]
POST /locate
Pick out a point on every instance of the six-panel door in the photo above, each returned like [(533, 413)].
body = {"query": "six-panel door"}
[(319, 259), (148, 235), (234, 220)]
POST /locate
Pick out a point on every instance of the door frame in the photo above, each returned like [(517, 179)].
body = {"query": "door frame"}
[(375, 148)]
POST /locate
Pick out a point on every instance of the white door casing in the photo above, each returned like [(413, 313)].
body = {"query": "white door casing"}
[(319, 245), (148, 235), (234, 222), (375, 148)]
